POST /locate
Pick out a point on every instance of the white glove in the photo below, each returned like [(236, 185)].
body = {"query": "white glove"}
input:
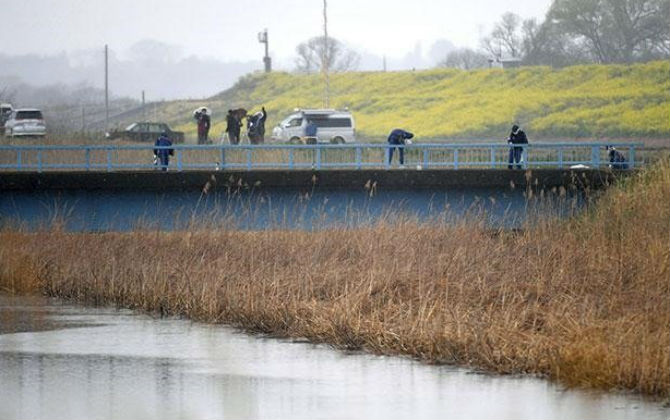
[(408, 141)]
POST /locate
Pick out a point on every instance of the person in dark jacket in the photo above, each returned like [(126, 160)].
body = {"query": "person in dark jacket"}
[(204, 122), (311, 132), (256, 127), (233, 125), (398, 138), (617, 159), (163, 150), (517, 136)]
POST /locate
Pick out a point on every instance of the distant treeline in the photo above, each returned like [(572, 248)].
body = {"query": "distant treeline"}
[(576, 32)]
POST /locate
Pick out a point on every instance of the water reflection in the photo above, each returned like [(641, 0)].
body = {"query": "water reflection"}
[(124, 210), (114, 364)]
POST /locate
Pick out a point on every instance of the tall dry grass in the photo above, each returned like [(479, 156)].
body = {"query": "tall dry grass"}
[(584, 301)]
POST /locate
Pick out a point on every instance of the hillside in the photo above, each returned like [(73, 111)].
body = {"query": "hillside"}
[(580, 101)]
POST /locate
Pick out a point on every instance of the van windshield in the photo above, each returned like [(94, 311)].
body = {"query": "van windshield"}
[(29, 115)]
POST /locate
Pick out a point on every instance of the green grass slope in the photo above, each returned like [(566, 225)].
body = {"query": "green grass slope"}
[(579, 101)]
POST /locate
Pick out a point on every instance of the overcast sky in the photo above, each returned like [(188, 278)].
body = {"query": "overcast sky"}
[(227, 30)]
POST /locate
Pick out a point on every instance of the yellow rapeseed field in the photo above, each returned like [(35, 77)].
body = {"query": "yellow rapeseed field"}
[(580, 101)]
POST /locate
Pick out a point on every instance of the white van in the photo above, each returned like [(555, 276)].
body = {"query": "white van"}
[(333, 126)]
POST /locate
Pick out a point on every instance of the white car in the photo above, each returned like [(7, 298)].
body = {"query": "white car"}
[(333, 126), (25, 122)]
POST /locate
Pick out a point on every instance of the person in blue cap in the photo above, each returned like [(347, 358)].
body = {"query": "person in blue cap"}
[(398, 139), (162, 151)]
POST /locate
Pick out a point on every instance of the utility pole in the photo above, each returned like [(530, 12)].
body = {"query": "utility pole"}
[(263, 39), (326, 55), (144, 117), (106, 91)]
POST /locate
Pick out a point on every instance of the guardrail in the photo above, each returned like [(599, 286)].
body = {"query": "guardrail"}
[(283, 156)]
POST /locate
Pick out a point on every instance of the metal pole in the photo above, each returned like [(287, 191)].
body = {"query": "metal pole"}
[(326, 55), (106, 90), (144, 117), (266, 59)]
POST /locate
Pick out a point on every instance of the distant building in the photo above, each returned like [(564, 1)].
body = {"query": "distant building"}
[(505, 63)]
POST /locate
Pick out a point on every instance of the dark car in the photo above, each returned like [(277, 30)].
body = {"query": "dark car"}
[(146, 131)]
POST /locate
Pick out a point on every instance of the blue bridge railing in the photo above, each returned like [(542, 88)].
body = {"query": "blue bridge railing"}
[(284, 156)]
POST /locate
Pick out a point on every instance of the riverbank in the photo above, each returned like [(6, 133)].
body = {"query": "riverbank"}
[(584, 301)]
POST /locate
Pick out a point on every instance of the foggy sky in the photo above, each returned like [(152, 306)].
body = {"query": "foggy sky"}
[(227, 30)]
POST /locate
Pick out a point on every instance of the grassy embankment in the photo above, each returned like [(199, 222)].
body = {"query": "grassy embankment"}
[(584, 301), (592, 101)]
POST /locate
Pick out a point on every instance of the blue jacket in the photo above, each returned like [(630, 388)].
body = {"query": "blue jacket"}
[(164, 141), (310, 130), (399, 136), (617, 159)]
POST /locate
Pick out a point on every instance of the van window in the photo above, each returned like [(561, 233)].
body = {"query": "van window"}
[(296, 122), (332, 122), (29, 115)]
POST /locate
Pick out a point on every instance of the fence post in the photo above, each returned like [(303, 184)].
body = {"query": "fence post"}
[(631, 157), (290, 158), (595, 156), (455, 158), (223, 157), (493, 157), (88, 159), (425, 158), (39, 160), (318, 158), (248, 159), (359, 157), (18, 159), (560, 157), (524, 156), (109, 159), (179, 160), (387, 157)]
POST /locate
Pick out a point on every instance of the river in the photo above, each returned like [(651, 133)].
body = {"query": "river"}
[(63, 361), (284, 208)]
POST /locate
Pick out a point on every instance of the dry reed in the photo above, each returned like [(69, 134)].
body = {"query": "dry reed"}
[(583, 301)]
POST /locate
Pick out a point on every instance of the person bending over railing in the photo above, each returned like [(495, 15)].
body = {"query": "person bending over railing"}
[(398, 139)]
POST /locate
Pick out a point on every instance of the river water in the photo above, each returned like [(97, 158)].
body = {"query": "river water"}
[(61, 361), (284, 208)]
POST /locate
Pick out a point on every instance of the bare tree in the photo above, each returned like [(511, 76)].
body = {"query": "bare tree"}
[(311, 56), (546, 44), (465, 59), (616, 30), (505, 39)]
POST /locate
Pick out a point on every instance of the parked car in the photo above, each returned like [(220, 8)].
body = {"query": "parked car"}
[(5, 112), (333, 126), (146, 131), (25, 122)]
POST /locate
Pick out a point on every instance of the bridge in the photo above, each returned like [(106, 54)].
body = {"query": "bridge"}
[(427, 165)]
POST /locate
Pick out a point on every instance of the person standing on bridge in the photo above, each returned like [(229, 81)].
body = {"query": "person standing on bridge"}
[(233, 125), (204, 121), (398, 139), (517, 136), (163, 150)]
